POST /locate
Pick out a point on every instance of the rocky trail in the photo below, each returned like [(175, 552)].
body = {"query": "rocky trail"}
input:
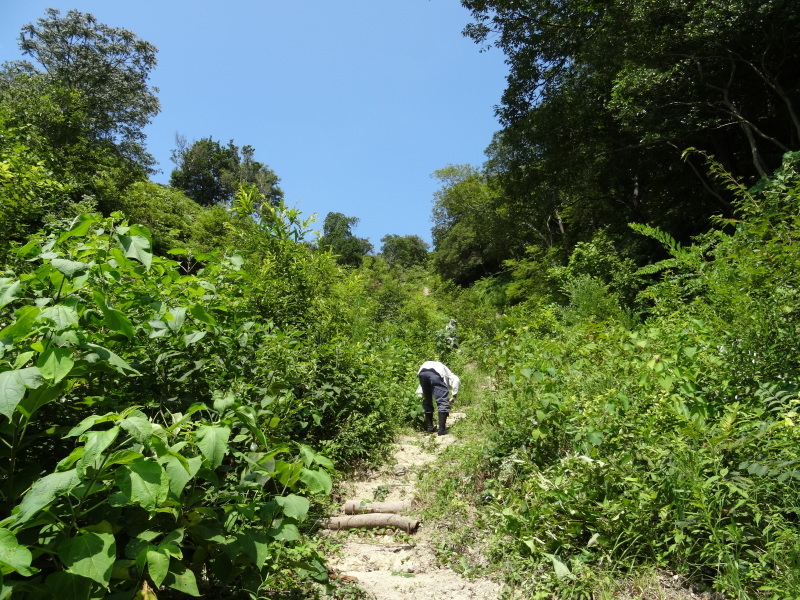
[(391, 564)]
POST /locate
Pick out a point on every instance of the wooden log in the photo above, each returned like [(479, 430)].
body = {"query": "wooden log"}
[(354, 507), (370, 521)]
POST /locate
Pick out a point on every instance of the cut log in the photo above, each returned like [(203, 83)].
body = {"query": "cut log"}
[(354, 507), (370, 521)]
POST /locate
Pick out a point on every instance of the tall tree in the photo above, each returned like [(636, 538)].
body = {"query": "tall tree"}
[(404, 250), (469, 234), (107, 67), (338, 238), (210, 173), (604, 96)]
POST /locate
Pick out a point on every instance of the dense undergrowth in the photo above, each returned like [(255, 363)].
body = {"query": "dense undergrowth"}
[(603, 447), (173, 423)]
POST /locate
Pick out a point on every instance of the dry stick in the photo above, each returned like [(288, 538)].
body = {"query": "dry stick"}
[(370, 521), (354, 507)]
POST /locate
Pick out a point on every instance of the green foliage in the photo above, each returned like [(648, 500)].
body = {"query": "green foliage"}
[(465, 233), (28, 191), (406, 251), (107, 67), (210, 173), (671, 443), (132, 450), (338, 238)]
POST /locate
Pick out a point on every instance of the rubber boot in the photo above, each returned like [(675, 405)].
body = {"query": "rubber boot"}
[(443, 423), (429, 422)]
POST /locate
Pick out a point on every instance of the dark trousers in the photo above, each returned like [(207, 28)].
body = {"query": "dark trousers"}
[(433, 386)]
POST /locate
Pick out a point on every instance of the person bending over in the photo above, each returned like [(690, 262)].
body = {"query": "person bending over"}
[(436, 381)]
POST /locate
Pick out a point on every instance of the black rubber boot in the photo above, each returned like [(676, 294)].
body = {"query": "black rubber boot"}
[(429, 422), (443, 423)]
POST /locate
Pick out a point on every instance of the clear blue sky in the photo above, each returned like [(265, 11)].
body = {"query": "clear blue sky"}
[(352, 103)]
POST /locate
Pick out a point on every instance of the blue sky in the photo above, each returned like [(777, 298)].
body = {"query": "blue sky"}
[(352, 103)]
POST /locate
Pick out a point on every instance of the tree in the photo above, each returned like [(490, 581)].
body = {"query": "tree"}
[(337, 237), (107, 67), (469, 234), (603, 97), (210, 173), (406, 251), (28, 191)]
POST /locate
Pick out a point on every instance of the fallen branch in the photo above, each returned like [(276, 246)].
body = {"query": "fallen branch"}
[(354, 507), (370, 521)]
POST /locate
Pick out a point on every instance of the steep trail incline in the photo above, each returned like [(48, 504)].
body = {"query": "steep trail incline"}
[(392, 565)]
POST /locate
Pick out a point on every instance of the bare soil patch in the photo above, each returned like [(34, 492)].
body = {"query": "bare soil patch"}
[(394, 565)]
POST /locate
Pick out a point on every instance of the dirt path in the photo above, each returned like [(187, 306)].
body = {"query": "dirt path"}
[(391, 565)]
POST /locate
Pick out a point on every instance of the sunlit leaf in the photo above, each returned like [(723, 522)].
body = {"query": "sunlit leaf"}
[(9, 292), (96, 443), (144, 483), (293, 506), (318, 481), (70, 268), (213, 443), (157, 564), (13, 385), (44, 491), (55, 363), (13, 556), (137, 247), (25, 317), (90, 555), (182, 579)]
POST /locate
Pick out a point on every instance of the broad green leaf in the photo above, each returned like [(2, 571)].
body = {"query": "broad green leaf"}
[(213, 443), (200, 313), (285, 531), (90, 555), (38, 397), (80, 227), (96, 443), (175, 318), (62, 315), (68, 586), (137, 247), (9, 292), (595, 437), (310, 457), (70, 268), (114, 319), (194, 337), (90, 422), (312, 568), (13, 385), (124, 457), (13, 557), (112, 359), (44, 491), (317, 481), (138, 426), (157, 564), (182, 579), (288, 473), (69, 461), (562, 570), (25, 317), (143, 482), (22, 359), (293, 506), (255, 544), (223, 401), (55, 363), (178, 473)]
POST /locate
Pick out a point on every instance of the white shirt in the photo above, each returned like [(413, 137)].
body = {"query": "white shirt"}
[(450, 378)]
